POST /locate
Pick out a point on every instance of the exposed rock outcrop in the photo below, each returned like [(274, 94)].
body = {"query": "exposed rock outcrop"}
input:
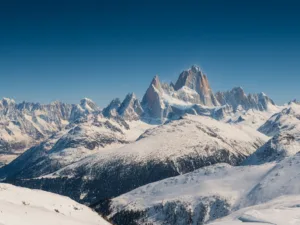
[(195, 79)]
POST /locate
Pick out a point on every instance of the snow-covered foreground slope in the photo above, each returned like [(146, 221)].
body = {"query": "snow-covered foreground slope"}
[(33, 207), (168, 150), (194, 198), (209, 193), (284, 210)]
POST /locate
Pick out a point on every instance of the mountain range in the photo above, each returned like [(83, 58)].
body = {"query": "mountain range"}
[(182, 155)]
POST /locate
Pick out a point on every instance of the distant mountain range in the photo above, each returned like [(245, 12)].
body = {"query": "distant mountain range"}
[(185, 137), (25, 124)]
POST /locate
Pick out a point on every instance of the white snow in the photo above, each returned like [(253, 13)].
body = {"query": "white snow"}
[(284, 210), (231, 183), (169, 100), (268, 193), (33, 207), (253, 118), (287, 120), (192, 135)]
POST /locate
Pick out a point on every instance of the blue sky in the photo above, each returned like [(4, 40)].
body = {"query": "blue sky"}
[(67, 50)]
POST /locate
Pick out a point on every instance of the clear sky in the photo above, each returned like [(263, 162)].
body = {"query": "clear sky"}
[(67, 50)]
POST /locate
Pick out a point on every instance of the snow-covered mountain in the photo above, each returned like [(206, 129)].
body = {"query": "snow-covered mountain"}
[(287, 120), (277, 148), (196, 80), (104, 157), (168, 150), (238, 98), (130, 109), (112, 109), (33, 207), (26, 124), (284, 126), (75, 142), (211, 193), (192, 94)]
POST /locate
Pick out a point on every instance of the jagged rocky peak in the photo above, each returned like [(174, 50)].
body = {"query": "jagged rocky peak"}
[(265, 101), (7, 101), (131, 108), (156, 83), (88, 105), (237, 98), (195, 79), (295, 101), (239, 92), (152, 100), (112, 109)]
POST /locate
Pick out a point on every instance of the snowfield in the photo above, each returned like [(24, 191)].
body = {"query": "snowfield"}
[(95, 135), (168, 150), (182, 137), (33, 207), (214, 192), (284, 210), (287, 120)]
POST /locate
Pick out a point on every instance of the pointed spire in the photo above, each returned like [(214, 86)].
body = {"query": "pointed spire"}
[(156, 83)]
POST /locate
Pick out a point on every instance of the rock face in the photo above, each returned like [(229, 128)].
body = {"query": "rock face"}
[(88, 105), (112, 109), (192, 94), (237, 98), (153, 101), (195, 79), (163, 101), (131, 108)]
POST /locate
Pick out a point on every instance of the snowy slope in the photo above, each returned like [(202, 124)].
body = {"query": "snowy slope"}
[(194, 198), (284, 126), (281, 211), (168, 150), (287, 120), (77, 141), (252, 117), (212, 192), (25, 124), (32, 207), (277, 148)]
